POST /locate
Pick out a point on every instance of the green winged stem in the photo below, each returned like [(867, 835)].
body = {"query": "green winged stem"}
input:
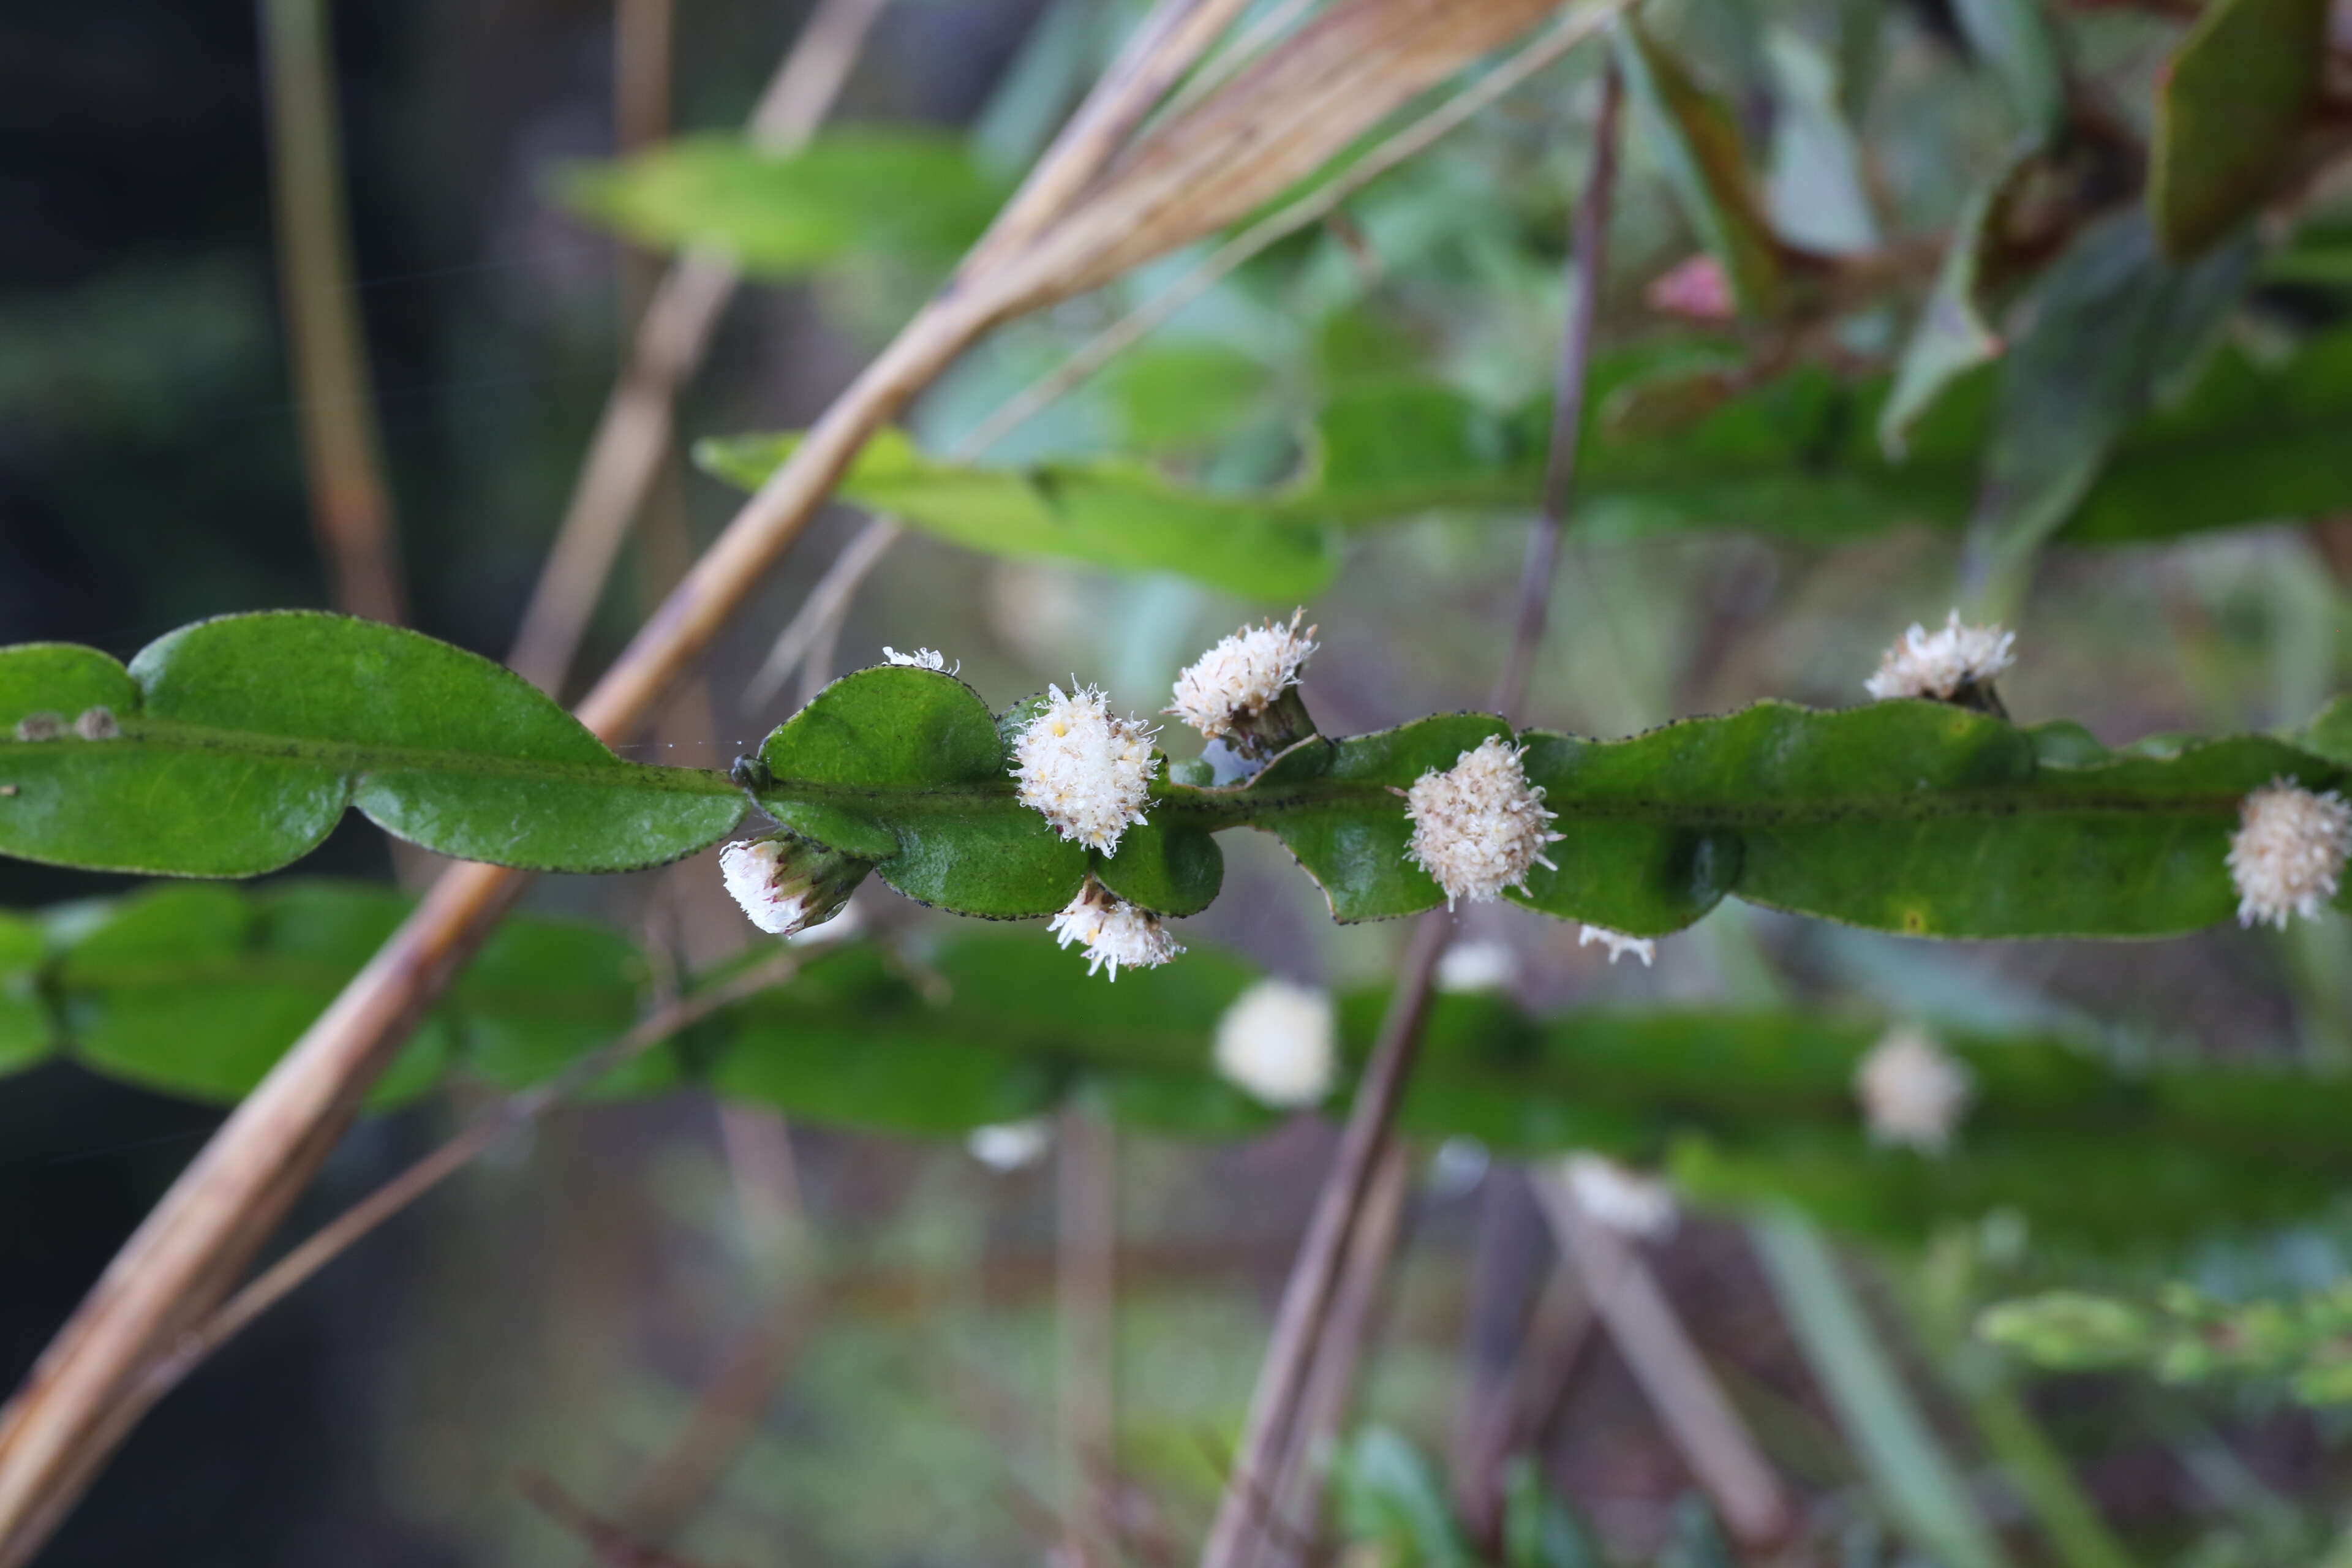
[(196, 990)]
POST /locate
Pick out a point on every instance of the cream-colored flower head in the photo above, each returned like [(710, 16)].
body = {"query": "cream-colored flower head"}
[(787, 884), (921, 658), (1114, 931), (1010, 1146), (1089, 772), (1479, 826), (1619, 944), (1240, 677), (1278, 1041), (1473, 966), (1912, 1091), (1938, 664), (2287, 855), (1626, 1200)]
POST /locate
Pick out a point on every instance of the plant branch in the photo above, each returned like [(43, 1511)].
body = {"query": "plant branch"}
[(350, 505), (634, 433)]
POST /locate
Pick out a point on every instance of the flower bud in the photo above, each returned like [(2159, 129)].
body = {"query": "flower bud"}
[(786, 883)]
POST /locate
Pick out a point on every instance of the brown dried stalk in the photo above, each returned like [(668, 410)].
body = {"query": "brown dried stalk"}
[(350, 505), (1241, 146)]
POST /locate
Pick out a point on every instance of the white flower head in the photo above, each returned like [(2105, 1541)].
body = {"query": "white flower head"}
[(1912, 1091), (1479, 826), (1279, 1041), (1938, 664), (1626, 1200), (2287, 855), (787, 884), (1472, 966), (921, 658), (1086, 770), (1010, 1146), (1242, 675), (1114, 931), (1619, 944)]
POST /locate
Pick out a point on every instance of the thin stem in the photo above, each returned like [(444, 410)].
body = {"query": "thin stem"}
[(824, 607), (337, 1236), (1275, 1406), (350, 505), (634, 433), (1085, 1286), (1588, 252)]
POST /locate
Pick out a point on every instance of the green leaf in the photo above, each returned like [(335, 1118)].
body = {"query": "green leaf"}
[(243, 739), (913, 197), (27, 1035), (1335, 806), (1391, 1498), (198, 990), (2232, 107), (2115, 326), (1538, 1530), (906, 766), (2014, 39), (1113, 513), (1699, 141)]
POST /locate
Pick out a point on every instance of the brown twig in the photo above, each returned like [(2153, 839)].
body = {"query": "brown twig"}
[(1086, 1290), (612, 1545), (633, 435), (338, 1234), (1708, 1432), (1276, 1438), (349, 506)]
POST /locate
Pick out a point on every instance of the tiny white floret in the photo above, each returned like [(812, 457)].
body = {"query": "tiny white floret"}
[(1619, 944), (2287, 855), (1278, 1041), (1479, 826), (1114, 931), (1938, 664), (1472, 966), (1087, 771), (783, 885), (921, 658), (1240, 677), (1626, 1200), (1912, 1091), (1010, 1146)]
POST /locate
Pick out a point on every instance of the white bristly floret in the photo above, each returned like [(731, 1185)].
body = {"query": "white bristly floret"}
[(1088, 772), (2287, 855), (1010, 1146), (921, 658), (1619, 944), (1913, 1092), (1938, 663), (1473, 966), (1479, 826), (1626, 1200), (1241, 675), (1277, 1042), (1114, 931), (756, 880)]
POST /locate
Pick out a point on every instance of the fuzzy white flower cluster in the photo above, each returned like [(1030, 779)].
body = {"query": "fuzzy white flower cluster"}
[(1626, 1200), (1278, 1042), (1240, 677), (921, 658), (2287, 855), (1479, 826), (1938, 664), (1010, 1146), (1475, 966), (778, 883), (1913, 1092), (1619, 944), (1087, 771), (1114, 931)]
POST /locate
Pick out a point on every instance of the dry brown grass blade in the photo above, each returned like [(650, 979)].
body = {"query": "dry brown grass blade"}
[(1275, 123), (1243, 144)]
